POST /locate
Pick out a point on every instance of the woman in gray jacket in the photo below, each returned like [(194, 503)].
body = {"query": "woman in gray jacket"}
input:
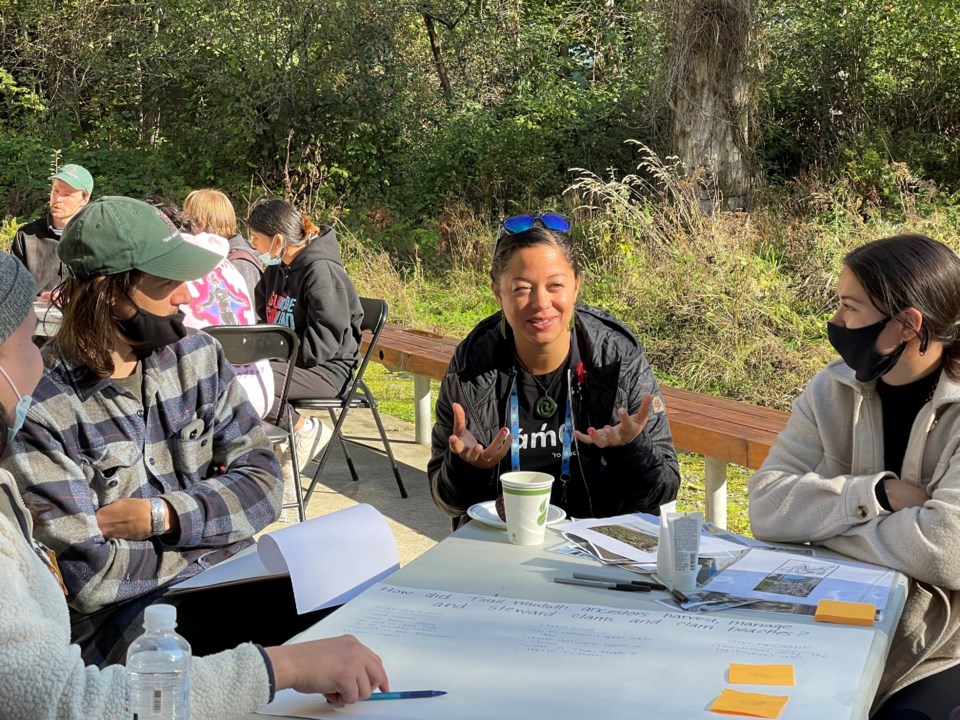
[(42, 674), (869, 463)]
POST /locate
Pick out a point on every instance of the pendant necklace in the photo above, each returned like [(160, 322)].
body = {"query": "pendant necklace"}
[(545, 407)]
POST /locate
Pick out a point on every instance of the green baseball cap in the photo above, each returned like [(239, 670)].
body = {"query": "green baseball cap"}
[(76, 177), (116, 234)]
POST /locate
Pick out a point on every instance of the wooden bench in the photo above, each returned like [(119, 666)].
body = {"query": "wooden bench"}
[(722, 430)]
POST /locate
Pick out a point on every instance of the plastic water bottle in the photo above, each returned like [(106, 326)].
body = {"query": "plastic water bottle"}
[(158, 669)]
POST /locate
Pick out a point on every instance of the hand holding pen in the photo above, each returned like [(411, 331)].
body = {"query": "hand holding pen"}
[(342, 669)]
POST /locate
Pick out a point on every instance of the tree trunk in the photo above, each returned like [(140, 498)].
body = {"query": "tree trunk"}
[(711, 96), (438, 60)]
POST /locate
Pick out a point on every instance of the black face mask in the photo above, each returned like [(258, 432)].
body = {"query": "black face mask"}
[(856, 347), (151, 332)]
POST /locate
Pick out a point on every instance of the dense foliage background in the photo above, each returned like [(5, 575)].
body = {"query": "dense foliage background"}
[(349, 102), (413, 126)]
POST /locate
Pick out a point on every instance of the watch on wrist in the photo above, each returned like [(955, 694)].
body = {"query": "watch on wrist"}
[(158, 516)]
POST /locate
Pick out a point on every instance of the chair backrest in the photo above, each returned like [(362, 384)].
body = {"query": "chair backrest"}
[(374, 315), (245, 344), (374, 318)]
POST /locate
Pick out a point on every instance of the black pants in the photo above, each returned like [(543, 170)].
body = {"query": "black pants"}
[(211, 620), (262, 612), (306, 384), (932, 698)]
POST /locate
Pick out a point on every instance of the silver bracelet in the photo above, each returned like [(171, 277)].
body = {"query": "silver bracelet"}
[(158, 516)]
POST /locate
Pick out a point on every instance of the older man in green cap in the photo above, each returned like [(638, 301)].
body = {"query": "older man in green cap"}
[(35, 243)]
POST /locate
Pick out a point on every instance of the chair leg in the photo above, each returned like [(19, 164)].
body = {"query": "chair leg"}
[(346, 450), (292, 439), (386, 445), (325, 453)]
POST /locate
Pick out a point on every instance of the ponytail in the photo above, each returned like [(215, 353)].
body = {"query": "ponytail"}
[(309, 229)]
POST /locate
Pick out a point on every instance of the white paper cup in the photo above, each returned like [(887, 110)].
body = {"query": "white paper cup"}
[(526, 501)]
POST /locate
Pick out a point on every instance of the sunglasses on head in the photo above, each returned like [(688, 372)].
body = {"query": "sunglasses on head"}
[(522, 223)]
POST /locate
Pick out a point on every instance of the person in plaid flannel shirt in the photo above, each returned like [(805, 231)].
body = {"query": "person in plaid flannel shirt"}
[(141, 456)]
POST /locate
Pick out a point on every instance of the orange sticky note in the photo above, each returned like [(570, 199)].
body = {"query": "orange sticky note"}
[(740, 674), (848, 613), (734, 702)]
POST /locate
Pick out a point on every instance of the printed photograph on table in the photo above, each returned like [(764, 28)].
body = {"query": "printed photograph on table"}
[(771, 575), (634, 538), (797, 578)]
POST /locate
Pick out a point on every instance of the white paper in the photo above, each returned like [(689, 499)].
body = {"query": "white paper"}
[(245, 565), (642, 530), (511, 659), (330, 559), (290, 703), (333, 557), (803, 580)]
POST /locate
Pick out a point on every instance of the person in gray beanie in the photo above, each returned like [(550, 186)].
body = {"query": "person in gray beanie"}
[(17, 290), (43, 674)]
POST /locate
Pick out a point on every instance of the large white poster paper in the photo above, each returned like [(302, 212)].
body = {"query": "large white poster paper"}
[(505, 658)]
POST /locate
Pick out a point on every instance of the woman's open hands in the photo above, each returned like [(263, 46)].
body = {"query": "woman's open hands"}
[(623, 433), (465, 445)]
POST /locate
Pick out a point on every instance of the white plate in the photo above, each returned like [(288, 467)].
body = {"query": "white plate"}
[(486, 512)]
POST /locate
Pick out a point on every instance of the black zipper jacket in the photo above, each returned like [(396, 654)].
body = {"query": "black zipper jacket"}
[(639, 477), (314, 296)]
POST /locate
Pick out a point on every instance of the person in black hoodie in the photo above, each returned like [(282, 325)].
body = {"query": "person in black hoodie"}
[(588, 409), (305, 287)]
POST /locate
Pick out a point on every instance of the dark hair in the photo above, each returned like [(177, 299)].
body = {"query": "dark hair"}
[(88, 330), (507, 245), (913, 270), (278, 217), (174, 214)]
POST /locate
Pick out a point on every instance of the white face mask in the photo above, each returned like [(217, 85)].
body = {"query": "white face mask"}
[(20, 413)]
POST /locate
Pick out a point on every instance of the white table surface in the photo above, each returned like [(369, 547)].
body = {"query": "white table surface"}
[(479, 560)]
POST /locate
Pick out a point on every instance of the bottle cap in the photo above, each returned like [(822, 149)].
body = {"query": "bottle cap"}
[(160, 617)]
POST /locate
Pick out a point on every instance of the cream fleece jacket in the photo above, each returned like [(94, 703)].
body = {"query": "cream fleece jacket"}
[(41, 673), (817, 485)]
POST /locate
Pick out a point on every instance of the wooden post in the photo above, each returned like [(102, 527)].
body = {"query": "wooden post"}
[(422, 408), (715, 472)]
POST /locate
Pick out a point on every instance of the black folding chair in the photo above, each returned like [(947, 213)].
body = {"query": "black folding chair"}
[(245, 344), (357, 395)]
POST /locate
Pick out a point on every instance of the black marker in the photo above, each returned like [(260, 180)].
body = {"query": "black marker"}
[(623, 587), (653, 585), (679, 596)]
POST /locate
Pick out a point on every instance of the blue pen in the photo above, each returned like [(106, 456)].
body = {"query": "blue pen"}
[(407, 694)]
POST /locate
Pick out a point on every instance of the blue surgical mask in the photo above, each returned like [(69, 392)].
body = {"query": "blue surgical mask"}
[(267, 260), (20, 412)]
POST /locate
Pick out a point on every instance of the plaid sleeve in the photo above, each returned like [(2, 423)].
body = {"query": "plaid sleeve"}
[(84, 447), (97, 571), (240, 491)]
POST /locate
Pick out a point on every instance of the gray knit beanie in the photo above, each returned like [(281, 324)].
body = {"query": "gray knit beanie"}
[(17, 292)]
